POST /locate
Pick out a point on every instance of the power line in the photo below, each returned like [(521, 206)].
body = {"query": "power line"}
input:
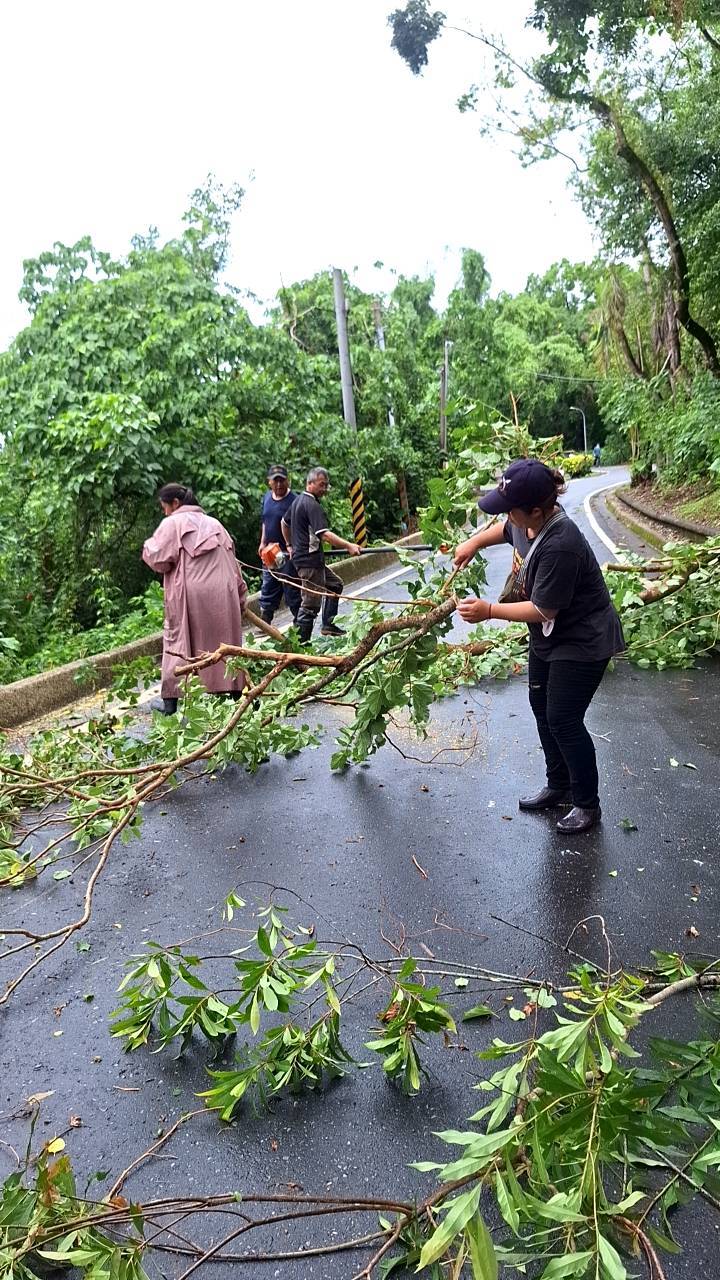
[(566, 377)]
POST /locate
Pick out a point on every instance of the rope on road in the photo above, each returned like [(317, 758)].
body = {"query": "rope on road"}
[(336, 595)]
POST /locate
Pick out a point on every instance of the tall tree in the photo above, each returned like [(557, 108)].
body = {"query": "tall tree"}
[(632, 114)]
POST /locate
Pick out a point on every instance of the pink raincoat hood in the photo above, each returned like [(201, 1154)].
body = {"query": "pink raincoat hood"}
[(197, 532)]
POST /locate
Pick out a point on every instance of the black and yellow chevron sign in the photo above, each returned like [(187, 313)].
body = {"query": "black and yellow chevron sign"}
[(357, 501)]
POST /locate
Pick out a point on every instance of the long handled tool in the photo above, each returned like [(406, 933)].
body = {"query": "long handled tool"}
[(273, 557), (389, 550)]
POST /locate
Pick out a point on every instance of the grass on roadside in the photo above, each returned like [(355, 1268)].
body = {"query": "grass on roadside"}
[(705, 509)]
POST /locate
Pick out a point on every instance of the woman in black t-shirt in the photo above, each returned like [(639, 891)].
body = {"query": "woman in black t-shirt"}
[(557, 588)]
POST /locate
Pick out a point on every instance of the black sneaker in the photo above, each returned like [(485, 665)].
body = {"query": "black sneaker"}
[(331, 630)]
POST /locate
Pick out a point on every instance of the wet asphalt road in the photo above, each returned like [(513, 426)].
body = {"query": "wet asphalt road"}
[(345, 846)]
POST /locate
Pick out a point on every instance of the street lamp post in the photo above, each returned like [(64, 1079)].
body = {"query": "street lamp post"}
[(575, 409)]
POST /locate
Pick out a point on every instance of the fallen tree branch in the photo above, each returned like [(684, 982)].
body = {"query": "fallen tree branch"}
[(190, 666), (154, 779), (63, 933)]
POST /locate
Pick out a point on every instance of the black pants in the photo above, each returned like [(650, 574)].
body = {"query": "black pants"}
[(275, 587), (560, 694), (313, 582)]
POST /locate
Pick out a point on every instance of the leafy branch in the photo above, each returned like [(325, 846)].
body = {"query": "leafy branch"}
[(581, 1149)]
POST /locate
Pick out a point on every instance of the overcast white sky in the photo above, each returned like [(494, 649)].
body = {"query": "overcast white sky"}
[(114, 111)]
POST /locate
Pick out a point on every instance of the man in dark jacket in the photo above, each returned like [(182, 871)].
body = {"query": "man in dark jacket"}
[(305, 529), (276, 505)]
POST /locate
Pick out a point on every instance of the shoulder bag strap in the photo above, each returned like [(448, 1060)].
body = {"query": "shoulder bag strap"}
[(555, 519)]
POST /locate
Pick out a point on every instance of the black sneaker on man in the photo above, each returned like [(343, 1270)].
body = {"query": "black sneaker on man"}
[(329, 629)]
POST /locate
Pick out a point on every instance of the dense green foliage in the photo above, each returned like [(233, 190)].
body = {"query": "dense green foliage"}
[(629, 92), (138, 371), (132, 372)]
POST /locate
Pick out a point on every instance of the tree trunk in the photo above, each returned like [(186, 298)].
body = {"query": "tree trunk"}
[(678, 259), (626, 350), (614, 311), (671, 334)]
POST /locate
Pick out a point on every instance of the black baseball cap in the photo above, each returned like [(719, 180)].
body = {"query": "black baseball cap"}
[(277, 472), (526, 483)]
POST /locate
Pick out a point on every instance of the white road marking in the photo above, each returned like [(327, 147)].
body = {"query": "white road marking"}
[(597, 530), (397, 573), (370, 586)]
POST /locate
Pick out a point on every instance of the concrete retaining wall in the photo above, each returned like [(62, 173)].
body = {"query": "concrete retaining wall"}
[(672, 522), (35, 696)]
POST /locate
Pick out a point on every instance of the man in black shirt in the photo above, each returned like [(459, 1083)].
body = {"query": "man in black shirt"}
[(306, 528)]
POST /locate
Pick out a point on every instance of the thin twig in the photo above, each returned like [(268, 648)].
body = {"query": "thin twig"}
[(542, 938), (122, 1178), (679, 1171)]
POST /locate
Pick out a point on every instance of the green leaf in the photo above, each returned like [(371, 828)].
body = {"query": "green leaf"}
[(545, 999), (629, 1202), (612, 1263), (572, 1264), (663, 1241), (263, 941), (459, 1212), (482, 1255), (478, 1011), (606, 1063), (566, 1039), (72, 1258), (505, 1204), (478, 1153), (331, 997), (559, 1208)]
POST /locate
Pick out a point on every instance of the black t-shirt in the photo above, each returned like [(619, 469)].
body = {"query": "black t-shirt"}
[(307, 520), (273, 511), (563, 574)]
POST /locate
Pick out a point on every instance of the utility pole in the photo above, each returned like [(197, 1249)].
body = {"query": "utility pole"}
[(380, 338), (575, 409), (401, 481), (346, 383), (444, 379), (357, 498)]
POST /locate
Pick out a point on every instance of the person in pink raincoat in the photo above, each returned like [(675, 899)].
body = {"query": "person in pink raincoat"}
[(204, 590)]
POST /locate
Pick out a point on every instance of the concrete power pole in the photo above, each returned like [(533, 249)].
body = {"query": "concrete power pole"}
[(444, 379), (380, 337), (357, 497), (346, 383), (401, 481)]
